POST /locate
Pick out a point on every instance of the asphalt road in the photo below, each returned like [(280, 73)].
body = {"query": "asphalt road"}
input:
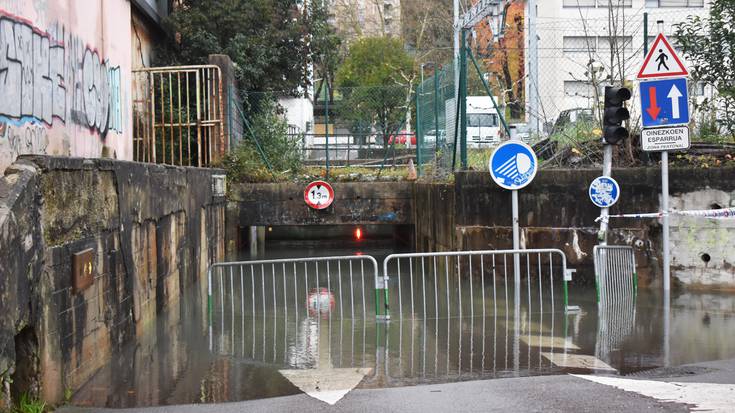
[(527, 394)]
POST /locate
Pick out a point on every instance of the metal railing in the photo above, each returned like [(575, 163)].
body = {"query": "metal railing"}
[(616, 289), (291, 298), (178, 115), (345, 149), (615, 275), (442, 270)]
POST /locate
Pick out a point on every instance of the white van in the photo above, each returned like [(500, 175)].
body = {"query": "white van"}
[(483, 122)]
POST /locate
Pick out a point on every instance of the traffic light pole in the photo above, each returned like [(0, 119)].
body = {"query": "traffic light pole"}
[(604, 212)]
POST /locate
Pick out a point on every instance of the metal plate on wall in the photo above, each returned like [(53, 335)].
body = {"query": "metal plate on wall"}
[(82, 269)]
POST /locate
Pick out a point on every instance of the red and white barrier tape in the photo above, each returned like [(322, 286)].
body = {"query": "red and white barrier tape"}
[(725, 213)]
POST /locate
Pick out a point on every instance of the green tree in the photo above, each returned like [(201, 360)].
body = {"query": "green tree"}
[(245, 162), (272, 42), (375, 81), (324, 42), (709, 44)]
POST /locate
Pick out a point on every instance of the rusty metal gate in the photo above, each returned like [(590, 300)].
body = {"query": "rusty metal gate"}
[(178, 115)]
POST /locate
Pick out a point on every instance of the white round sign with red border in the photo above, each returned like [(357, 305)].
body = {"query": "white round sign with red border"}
[(319, 195)]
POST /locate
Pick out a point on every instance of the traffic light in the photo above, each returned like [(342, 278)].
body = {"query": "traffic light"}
[(615, 114)]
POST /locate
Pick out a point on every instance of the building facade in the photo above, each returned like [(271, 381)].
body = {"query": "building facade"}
[(366, 18), (579, 39), (66, 83)]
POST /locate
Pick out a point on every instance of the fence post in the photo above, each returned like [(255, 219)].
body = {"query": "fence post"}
[(419, 137), (489, 93), (463, 102), (326, 126), (436, 107)]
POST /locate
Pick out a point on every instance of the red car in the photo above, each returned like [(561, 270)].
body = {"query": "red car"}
[(401, 138)]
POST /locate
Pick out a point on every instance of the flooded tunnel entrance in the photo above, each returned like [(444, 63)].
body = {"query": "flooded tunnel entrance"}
[(276, 329), (293, 241)]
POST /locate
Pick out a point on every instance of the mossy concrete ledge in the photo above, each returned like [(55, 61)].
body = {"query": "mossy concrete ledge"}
[(152, 231)]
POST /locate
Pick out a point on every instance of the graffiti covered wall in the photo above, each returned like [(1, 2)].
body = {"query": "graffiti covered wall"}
[(65, 78)]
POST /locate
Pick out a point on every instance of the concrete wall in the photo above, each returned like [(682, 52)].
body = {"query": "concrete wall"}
[(354, 203), (65, 78), (555, 212), (153, 231)]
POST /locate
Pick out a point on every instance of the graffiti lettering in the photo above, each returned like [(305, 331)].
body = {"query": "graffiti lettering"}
[(18, 140), (46, 76)]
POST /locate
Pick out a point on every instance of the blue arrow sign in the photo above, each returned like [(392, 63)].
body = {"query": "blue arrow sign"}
[(664, 102), (513, 165), (604, 191)]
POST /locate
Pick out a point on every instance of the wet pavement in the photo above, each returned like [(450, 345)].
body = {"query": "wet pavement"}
[(676, 392), (270, 351)]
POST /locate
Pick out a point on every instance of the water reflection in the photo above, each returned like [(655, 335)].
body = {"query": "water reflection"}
[(495, 332)]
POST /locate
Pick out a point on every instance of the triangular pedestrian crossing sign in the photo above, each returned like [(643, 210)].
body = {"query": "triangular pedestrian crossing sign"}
[(662, 61)]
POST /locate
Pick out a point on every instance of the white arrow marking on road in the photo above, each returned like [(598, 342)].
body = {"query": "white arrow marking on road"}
[(578, 361), (328, 385), (704, 396), (325, 382), (674, 95)]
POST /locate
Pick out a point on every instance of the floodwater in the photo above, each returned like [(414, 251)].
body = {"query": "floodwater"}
[(267, 323)]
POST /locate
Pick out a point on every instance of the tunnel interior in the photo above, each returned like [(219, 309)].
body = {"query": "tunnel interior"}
[(319, 240)]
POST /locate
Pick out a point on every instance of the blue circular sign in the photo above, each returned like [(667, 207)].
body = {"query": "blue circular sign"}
[(513, 165), (604, 191)]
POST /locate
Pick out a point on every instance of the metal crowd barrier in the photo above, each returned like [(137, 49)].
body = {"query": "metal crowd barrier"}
[(615, 275), (260, 310), (440, 270), (617, 288)]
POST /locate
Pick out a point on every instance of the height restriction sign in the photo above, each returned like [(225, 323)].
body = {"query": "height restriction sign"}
[(319, 195)]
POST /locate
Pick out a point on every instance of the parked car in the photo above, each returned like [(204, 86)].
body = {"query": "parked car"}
[(521, 131), (572, 116), (431, 136), (402, 137)]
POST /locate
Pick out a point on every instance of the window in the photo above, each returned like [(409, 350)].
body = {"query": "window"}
[(699, 89), (674, 3), (579, 3), (615, 3), (578, 88), (623, 44), (579, 44), (482, 120), (597, 3)]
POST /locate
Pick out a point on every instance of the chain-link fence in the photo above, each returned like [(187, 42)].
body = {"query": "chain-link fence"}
[(369, 126), (552, 99), (435, 117), (585, 50)]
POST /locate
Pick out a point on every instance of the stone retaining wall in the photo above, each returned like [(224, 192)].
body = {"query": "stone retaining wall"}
[(555, 211), (152, 231)]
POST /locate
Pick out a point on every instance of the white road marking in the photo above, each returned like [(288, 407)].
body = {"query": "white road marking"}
[(549, 342), (327, 385), (711, 397), (578, 361)]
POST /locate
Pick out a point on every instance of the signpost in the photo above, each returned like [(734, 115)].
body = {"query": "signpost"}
[(665, 114), (664, 102), (319, 195), (662, 61), (604, 191), (513, 165), (672, 138)]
